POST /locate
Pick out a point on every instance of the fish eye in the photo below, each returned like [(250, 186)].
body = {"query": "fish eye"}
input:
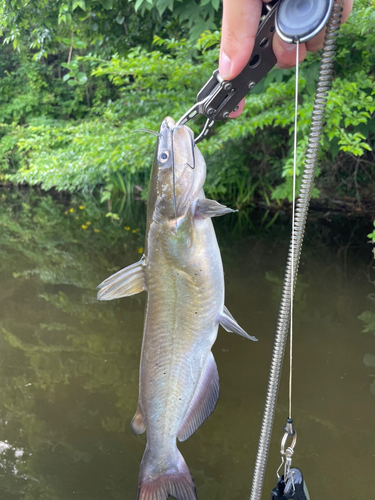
[(163, 156)]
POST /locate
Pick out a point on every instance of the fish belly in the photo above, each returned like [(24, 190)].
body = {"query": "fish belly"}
[(184, 298)]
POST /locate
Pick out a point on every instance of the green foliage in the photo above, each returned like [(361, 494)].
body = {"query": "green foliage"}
[(371, 235), (70, 121), (368, 318), (106, 25)]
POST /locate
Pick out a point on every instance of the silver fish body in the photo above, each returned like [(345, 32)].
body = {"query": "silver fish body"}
[(183, 274)]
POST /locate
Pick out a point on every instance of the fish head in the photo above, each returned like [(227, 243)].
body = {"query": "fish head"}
[(178, 173)]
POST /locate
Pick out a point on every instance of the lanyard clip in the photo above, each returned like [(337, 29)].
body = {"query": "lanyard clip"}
[(289, 432)]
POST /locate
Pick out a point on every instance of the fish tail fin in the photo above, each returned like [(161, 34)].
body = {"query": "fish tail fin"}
[(175, 480)]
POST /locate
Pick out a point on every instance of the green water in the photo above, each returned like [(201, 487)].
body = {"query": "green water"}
[(69, 365)]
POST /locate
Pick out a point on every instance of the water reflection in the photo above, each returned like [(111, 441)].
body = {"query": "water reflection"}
[(69, 365)]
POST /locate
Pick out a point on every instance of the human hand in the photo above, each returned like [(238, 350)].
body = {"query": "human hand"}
[(239, 28)]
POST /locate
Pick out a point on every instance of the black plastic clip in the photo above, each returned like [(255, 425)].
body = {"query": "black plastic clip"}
[(289, 429), (293, 488)]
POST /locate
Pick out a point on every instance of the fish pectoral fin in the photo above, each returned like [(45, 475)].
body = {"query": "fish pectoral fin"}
[(210, 208), (204, 400), (138, 425), (124, 283), (229, 324)]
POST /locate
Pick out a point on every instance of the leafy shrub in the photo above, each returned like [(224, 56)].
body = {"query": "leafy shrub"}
[(143, 86)]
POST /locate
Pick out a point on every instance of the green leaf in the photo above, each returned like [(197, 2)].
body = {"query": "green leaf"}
[(163, 5), (79, 44), (138, 4), (64, 8), (112, 215), (82, 79), (120, 19), (106, 195), (368, 318), (107, 4), (79, 3)]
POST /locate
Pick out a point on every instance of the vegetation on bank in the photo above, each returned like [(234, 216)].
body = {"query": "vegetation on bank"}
[(77, 83)]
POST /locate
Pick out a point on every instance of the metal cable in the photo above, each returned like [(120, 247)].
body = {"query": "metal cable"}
[(293, 229), (323, 86)]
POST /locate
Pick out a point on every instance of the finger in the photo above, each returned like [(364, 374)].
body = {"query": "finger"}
[(240, 25), (316, 43), (241, 105), (347, 8), (286, 52)]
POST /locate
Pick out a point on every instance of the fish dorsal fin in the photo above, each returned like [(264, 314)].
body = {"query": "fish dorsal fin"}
[(210, 208), (138, 425), (229, 324), (204, 400), (124, 283)]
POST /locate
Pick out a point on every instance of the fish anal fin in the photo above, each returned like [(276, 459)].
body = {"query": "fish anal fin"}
[(128, 281), (210, 208), (204, 400), (138, 425), (229, 324)]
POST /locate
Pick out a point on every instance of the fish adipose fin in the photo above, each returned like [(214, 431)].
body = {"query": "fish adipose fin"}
[(175, 481), (137, 425), (210, 208), (229, 324), (204, 400), (124, 283)]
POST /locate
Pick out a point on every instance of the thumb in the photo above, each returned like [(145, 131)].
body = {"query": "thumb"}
[(240, 25)]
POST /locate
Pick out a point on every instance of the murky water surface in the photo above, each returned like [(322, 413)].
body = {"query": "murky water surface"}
[(69, 365)]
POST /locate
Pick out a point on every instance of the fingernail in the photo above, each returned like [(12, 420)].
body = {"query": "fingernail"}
[(288, 47), (225, 65)]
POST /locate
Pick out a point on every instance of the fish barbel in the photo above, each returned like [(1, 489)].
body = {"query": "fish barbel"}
[(183, 275)]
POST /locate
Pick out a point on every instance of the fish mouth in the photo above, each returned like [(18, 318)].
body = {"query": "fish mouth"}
[(168, 123)]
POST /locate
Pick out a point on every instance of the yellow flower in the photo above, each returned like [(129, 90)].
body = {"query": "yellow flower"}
[(88, 223), (96, 230), (83, 226), (71, 210), (81, 207), (140, 250), (127, 228), (135, 231)]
